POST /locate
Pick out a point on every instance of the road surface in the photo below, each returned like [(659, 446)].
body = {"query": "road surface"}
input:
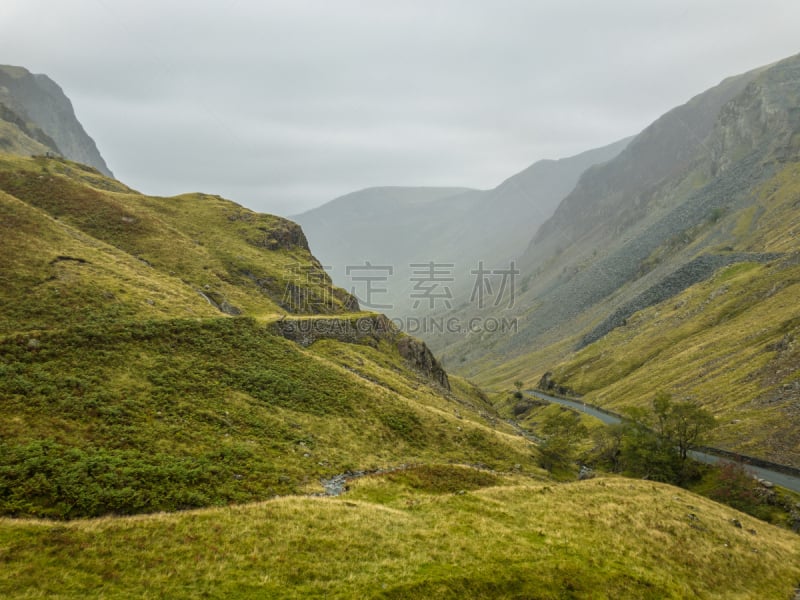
[(782, 479)]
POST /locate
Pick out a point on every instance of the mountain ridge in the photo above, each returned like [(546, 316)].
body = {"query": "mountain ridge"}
[(637, 249), (37, 99), (452, 226)]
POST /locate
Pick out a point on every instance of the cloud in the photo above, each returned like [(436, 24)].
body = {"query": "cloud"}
[(284, 105)]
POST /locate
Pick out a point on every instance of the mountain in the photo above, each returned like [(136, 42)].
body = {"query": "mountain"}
[(397, 227), (191, 408), (33, 107), (640, 261)]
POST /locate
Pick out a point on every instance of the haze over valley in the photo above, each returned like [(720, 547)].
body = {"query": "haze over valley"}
[(400, 301)]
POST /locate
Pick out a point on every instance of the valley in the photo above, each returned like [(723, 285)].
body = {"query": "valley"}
[(192, 407)]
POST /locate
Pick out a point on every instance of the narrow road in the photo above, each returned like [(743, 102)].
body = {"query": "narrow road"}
[(785, 480)]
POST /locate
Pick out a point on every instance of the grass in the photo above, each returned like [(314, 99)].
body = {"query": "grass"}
[(717, 344), (388, 538), (728, 343), (166, 415), (126, 392), (250, 263)]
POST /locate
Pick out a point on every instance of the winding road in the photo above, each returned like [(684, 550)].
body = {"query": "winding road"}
[(785, 480)]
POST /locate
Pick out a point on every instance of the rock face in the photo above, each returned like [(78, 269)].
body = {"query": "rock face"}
[(419, 355), (370, 330), (283, 235), (695, 271), (40, 102), (608, 198), (548, 384), (22, 137)]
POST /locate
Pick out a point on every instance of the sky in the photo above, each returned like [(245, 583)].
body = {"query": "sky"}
[(285, 105)]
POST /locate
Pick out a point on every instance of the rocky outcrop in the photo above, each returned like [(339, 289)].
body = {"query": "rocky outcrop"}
[(38, 100), (550, 385), (370, 330), (284, 235), (422, 359), (695, 271), (219, 302)]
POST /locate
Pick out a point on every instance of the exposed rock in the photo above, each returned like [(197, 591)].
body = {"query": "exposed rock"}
[(37, 99), (25, 127), (525, 405), (421, 358), (219, 302), (369, 330), (548, 384), (282, 235), (693, 272)]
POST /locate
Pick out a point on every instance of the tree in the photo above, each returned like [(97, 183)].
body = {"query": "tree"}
[(655, 444), (608, 446), (688, 425), (518, 385), (645, 454), (562, 431), (681, 424)]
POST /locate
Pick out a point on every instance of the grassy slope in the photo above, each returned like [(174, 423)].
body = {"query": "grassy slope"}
[(730, 343), (408, 535), (204, 243), (12, 139), (162, 415), (124, 391)]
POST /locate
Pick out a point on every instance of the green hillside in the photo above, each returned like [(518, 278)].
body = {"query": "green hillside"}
[(140, 369), (436, 531), (730, 343), (672, 268)]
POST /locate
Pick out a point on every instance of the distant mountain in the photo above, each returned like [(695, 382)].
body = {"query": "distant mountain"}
[(397, 227), (35, 115), (706, 192)]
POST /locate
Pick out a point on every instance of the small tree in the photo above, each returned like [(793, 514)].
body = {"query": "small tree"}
[(562, 431), (681, 424), (518, 385), (645, 454), (656, 444), (608, 446), (689, 425)]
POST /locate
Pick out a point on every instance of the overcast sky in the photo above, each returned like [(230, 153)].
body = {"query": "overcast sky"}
[(283, 106)]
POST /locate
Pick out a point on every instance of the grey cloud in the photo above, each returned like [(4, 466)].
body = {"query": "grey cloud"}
[(284, 105)]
